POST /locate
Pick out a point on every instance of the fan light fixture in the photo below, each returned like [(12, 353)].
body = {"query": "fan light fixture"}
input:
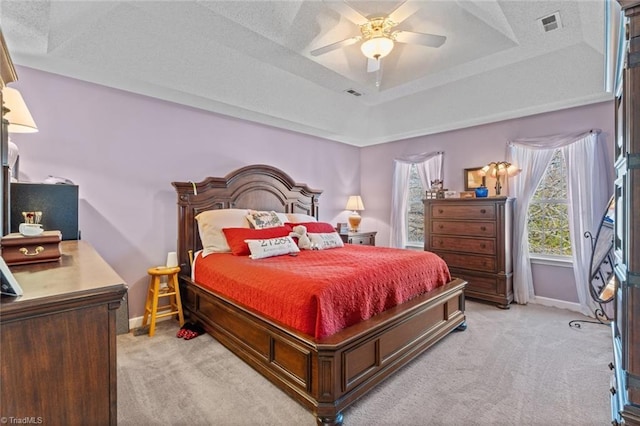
[(378, 41), (377, 47), (377, 35)]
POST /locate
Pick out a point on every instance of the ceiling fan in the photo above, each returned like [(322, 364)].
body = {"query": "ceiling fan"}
[(378, 35)]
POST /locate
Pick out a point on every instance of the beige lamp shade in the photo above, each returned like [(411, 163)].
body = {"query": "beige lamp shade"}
[(355, 205), (19, 117)]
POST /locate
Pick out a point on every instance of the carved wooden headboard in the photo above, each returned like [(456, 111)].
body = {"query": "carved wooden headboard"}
[(258, 187)]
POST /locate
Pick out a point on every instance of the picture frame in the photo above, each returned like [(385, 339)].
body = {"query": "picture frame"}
[(342, 228), (8, 284), (473, 179)]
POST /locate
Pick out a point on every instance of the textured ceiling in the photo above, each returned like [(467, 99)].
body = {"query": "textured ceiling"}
[(251, 59)]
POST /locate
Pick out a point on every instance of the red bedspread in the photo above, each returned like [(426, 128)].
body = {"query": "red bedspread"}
[(322, 292)]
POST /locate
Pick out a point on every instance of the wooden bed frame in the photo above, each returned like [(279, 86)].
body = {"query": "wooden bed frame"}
[(327, 375)]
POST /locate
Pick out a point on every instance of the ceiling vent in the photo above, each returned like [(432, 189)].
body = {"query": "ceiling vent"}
[(550, 22), (353, 92)]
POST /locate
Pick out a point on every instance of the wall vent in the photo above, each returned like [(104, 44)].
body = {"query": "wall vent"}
[(550, 22), (353, 92)]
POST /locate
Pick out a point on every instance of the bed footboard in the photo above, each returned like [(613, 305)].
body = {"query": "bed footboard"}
[(328, 375)]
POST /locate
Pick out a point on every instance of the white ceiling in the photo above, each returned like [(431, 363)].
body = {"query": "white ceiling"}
[(250, 59)]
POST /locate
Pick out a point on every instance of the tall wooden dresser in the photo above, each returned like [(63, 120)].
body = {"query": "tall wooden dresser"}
[(473, 235), (625, 387), (58, 341)]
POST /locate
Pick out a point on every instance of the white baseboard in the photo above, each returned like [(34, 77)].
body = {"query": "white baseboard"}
[(137, 322), (556, 303)]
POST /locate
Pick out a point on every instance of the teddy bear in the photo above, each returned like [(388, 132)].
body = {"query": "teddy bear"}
[(300, 232)]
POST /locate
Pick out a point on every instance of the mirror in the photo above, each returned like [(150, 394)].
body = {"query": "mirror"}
[(603, 282)]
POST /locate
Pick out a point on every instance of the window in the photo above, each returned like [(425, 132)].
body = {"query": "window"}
[(548, 215), (415, 209)]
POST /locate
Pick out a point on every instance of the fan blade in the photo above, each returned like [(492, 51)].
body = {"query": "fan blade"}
[(430, 40), (333, 46), (403, 11), (347, 11), (373, 65)]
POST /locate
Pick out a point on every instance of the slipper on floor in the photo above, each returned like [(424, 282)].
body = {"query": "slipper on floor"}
[(193, 332), (187, 327)]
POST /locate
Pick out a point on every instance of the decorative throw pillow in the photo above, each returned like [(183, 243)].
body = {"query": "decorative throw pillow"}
[(210, 224), (325, 241), (315, 227), (271, 247), (236, 237), (262, 220)]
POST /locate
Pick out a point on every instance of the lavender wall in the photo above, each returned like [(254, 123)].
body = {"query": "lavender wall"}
[(475, 147), (124, 150)]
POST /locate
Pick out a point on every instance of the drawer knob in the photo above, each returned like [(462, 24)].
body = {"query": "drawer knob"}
[(483, 245), (440, 226), (440, 211), (483, 228), (483, 211), (611, 366), (36, 252), (440, 242)]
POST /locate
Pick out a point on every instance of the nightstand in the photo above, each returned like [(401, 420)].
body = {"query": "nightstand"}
[(362, 238)]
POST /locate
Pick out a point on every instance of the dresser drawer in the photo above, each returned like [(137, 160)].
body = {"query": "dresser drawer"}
[(473, 229), (487, 285), (466, 261), (365, 240), (469, 210), (468, 245)]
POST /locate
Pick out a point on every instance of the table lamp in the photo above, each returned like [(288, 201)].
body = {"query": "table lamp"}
[(355, 205)]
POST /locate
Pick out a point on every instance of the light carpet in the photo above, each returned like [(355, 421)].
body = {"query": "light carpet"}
[(522, 366)]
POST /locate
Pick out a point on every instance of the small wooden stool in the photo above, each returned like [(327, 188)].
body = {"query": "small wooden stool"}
[(172, 291)]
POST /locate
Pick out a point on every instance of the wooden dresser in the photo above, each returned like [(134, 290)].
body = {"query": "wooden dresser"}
[(58, 341), (473, 235), (625, 381)]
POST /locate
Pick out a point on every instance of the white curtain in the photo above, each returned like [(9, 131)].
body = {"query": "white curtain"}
[(620, 55), (588, 191), (429, 167)]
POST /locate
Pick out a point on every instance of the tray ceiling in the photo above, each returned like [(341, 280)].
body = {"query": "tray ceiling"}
[(251, 59)]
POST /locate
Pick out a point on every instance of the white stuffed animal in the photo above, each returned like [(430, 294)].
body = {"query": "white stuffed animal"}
[(300, 232)]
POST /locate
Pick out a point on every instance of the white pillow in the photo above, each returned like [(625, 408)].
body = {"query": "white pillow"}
[(210, 224), (271, 247), (325, 241), (282, 217), (300, 218), (262, 220)]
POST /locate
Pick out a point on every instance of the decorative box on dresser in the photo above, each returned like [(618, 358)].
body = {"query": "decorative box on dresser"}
[(473, 235), (58, 341), (625, 382)]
